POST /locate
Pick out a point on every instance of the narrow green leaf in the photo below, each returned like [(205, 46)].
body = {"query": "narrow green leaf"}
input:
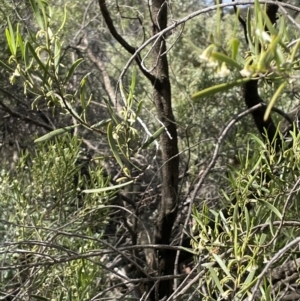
[(64, 20), (272, 208), (262, 239), (82, 94), (235, 213), (215, 279), (259, 141), (139, 108), (20, 43), (57, 55), (9, 43), (111, 112), (13, 44), (235, 44), (295, 51), (103, 189), (37, 14), (236, 246), (279, 58), (153, 137), (269, 24), (222, 265), (6, 66), (26, 56), (226, 59), (113, 145), (42, 5), (36, 57), (132, 87), (273, 100), (265, 58), (45, 76), (249, 31), (219, 88), (101, 123), (258, 16), (55, 133), (248, 282), (247, 218), (72, 69), (188, 250)]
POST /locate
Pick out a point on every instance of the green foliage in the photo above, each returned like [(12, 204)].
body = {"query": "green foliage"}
[(271, 56), (50, 223), (43, 75), (37, 62), (55, 211), (239, 246)]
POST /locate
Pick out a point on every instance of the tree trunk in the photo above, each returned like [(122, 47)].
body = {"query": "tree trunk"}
[(169, 149)]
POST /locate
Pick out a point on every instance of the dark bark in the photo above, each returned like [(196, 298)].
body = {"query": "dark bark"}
[(169, 198), (159, 78), (130, 49), (266, 128)]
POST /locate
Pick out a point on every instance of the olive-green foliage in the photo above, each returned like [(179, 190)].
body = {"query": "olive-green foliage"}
[(45, 217), (240, 251)]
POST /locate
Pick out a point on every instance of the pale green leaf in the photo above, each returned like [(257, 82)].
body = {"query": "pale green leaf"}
[(272, 208), (64, 20), (55, 133), (37, 14), (12, 44), (103, 189), (218, 88), (215, 278), (226, 59), (113, 145), (222, 265), (273, 100)]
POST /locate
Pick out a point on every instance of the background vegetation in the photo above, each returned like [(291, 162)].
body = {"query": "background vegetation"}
[(133, 173)]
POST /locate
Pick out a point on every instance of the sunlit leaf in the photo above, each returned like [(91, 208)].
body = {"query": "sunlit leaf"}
[(20, 43), (249, 32), (226, 59), (273, 100), (222, 265), (234, 46), (219, 88), (103, 189), (13, 44), (215, 278), (272, 208), (9, 42)]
